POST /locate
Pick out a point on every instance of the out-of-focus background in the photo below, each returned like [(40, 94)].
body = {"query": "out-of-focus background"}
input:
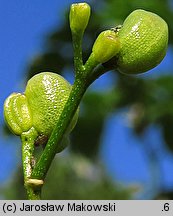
[(122, 146)]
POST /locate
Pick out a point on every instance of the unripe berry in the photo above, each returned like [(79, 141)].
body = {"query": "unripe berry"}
[(47, 94), (17, 113), (40, 106), (144, 39)]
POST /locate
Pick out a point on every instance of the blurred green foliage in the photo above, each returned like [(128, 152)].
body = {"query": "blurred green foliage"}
[(149, 100)]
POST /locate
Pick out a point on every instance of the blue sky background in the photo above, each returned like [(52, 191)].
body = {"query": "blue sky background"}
[(23, 28)]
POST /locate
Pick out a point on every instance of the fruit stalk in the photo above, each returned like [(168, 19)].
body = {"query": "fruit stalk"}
[(28, 139)]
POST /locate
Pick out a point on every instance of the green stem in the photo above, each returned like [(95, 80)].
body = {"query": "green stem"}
[(97, 72), (27, 139), (50, 150), (80, 85), (84, 76), (77, 47), (90, 64), (33, 194)]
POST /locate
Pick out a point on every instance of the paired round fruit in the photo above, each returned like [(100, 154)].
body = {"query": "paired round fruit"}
[(40, 106)]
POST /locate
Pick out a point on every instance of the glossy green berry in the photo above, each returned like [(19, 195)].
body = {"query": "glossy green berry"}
[(17, 113), (106, 46), (47, 94), (144, 39), (40, 106)]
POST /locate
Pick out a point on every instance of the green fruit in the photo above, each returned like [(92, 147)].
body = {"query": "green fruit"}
[(17, 113), (40, 106), (47, 94), (144, 39)]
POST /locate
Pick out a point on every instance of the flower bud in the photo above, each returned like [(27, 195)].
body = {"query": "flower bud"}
[(106, 46), (144, 39), (79, 17)]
